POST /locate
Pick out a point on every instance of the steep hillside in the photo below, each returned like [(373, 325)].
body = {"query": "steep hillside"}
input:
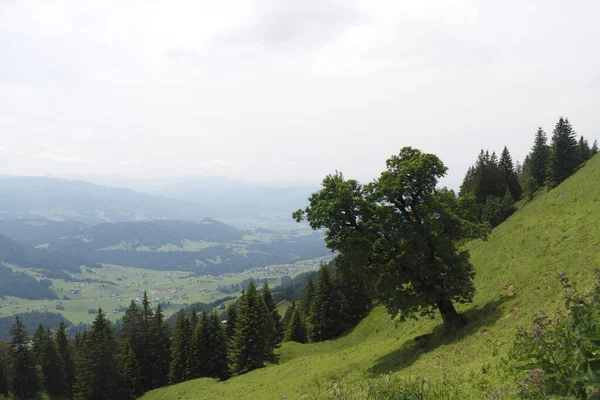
[(517, 269)]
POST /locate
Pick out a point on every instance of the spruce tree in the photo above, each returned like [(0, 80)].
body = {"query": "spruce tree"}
[(144, 356), (160, 350), (564, 155), (22, 376), (4, 362), (250, 346), (584, 150), (538, 158), (325, 314), (594, 149), (180, 349), (296, 329), (194, 319), (200, 349), (52, 365), (97, 367), (307, 297), (287, 316), (64, 349), (509, 175), (129, 372), (218, 365), (276, 335), (231, 319)]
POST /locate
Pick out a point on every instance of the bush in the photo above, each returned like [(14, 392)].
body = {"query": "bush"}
[(560, 352)]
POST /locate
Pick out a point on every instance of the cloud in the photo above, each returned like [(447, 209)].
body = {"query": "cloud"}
[(49, 152)]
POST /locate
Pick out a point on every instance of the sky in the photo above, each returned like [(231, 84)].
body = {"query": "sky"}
[(286, 90)]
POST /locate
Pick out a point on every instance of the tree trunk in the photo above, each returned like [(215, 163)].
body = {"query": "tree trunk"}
[(452, 319)]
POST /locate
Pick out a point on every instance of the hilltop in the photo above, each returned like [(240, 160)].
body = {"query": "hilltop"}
[(517, 267)]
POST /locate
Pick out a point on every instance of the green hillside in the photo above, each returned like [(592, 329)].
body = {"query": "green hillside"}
[(558, 231)]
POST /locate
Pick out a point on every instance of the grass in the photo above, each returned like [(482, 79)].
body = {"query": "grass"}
[(129, 283), (558, 231)]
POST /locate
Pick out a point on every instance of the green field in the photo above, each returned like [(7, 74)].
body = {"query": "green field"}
[(179, 288), (559, 231)]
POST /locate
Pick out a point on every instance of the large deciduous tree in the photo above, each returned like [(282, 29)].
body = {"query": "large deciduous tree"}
[(401, 232)]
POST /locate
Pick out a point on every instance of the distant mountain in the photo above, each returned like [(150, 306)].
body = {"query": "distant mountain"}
[(207, 247), (70, 200), (13, 252)]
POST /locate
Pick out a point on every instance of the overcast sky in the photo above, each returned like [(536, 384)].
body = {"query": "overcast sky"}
[(286, 90)]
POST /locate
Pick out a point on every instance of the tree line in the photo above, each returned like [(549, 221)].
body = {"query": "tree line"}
[(145, 353), (494, 184)]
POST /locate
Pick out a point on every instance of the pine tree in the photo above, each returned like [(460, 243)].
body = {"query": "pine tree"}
[(129, 372), (584, 150), (144, 356), (4, 362), (52, 365), (23, 379), (180, 347), (296, 330), (276, 335), (287, 317), (218, 366), (64, 349), (231, 319), (97, 367), (594, 149), (200, 349), (325, 314), (250, 346), (564, 156), (308, 296), (509, 175), (194, 319), (538, 158), (160, 352)]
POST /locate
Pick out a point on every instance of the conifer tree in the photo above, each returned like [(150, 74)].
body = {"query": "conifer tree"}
[(231, 319), (144, 356), (129, 372), (200, 349), (194, 319), (564, 156), (218, 366), (307, 297), (64, 348), (538, 158), (276, 335), (54, 379), (584, 150), (296, 330), (594, 149), (160, 352), (180, 347), (250, 347), (23, 379), (509, 175), (287, 316), (97, 368), (4, 361), (325, 313)]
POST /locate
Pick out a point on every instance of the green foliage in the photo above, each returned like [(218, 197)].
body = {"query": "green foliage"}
[(65, 349), (307, 297), (129, 372), (97, 363), (275, 336), (231, 313), (296, 328), (180, 348), (250, 347), (325, 318), (561, 352), (537, 161), (564, 155), (19, 284), (403, 231), (510, 181), (23, 379)]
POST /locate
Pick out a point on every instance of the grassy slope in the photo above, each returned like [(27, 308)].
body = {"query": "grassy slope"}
[(558, 231)]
